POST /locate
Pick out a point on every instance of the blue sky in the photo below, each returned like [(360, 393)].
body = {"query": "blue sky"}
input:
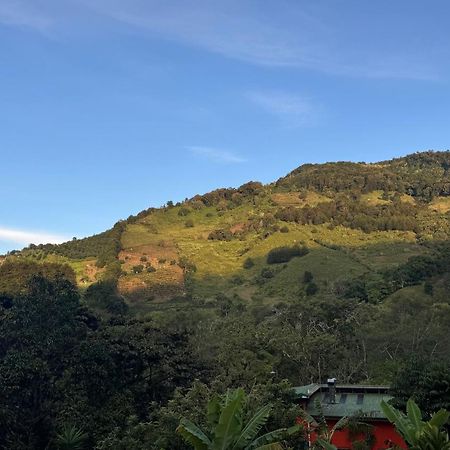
[(111, 106)]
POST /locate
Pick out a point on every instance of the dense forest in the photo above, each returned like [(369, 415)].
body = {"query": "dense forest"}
[(336, 270)]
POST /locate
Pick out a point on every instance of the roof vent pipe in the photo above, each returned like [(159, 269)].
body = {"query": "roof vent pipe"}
[(331, 390)]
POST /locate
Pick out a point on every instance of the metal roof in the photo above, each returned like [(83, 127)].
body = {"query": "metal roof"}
[(350, 400)]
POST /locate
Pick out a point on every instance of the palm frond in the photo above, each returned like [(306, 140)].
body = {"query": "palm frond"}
[(70, 438), (230, 421), (269, 438), (253, 427), (192, 434)]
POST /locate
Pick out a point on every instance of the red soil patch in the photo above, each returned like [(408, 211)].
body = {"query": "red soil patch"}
[(165, 283), (237, 227)]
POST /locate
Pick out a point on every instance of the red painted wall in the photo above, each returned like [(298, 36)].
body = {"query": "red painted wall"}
[(385, 436)]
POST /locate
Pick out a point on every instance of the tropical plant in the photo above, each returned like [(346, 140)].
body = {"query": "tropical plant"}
[(70, 438), (321, 429), (419, 435), (228, 431)]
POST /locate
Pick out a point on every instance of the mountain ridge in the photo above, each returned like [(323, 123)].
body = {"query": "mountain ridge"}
[(353, 219)]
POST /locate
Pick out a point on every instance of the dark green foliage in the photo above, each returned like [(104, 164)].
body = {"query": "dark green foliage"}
[(428, 288), (285, 254), (284, 229), (423, 175), (307, 276), (137, 269), (416, 432), (311, 289), (226, 428), (105, 246), (266, 272), (37, 333), (377, 286), (230, 197), (354, 214), (237, 280), (104, 295), (220, 235), (186, 265), (112, 271), (140, 215), (426, 381), (126, 382), (71, 438), (15, 275), (58, 366)]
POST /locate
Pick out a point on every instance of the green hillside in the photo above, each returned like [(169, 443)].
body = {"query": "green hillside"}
[(336, 270), (356, 220)]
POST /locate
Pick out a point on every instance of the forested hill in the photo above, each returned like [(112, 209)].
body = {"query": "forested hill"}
[(336, 270), (421, 175), (342, 222)]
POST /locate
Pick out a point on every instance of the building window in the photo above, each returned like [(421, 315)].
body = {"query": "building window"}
[(343, 398), (360, 399)]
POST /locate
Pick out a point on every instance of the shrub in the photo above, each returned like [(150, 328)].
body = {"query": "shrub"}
[(184, 212), (311, 289), (284, 229), (220, 235), (104, 295), (222, 206), (197, 204), (187, 265), (143, 259), (266, 272), (285, 254), (307, 277), (428, 288), (189, 223), (248, 263), (237, 280), (150, 269), (137, 269)]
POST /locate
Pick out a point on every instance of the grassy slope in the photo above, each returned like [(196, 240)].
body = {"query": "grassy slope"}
[(335, 254), (161, 238)]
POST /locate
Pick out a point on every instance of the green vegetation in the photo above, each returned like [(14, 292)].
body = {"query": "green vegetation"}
[(420, 435), (107, 342), (105, 246), (227, 429), (15, 275), (421, 175)]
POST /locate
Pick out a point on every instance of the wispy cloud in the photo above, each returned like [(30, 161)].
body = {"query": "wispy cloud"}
[(23, 14), (216, 155), (291, 109), (304, 35), (23, 237), (291, 34)]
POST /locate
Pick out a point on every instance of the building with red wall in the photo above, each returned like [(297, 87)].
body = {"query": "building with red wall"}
[(358, 402)]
